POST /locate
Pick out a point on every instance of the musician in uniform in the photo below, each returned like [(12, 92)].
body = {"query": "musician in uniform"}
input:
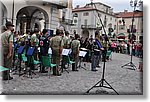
[(7, 46), (56, 44), (66, 41), (44, 46), (75, 45), (35, 42)]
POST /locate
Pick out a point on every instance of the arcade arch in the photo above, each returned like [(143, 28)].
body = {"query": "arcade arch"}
[(31, 17)]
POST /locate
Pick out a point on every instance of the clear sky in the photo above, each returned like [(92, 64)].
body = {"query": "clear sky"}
[(117, 5)]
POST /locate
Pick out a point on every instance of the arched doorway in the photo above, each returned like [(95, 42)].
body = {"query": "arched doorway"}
[(31, 17), (85, 33), (3, 13)]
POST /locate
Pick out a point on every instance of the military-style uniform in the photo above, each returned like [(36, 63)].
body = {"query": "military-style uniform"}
[(75, 53), (56, 45), (35, 42), (6, 38), (66, 41)]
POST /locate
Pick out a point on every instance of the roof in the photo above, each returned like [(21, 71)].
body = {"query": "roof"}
[(83, 9), (100, 4), (128, 14), (89, 9)]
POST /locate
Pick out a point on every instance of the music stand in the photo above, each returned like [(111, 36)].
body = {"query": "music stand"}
[(50, 51), (19, 52), (81, 56), (30, 60), (65, 54), (30, 51), (39, 49), (15, 49)]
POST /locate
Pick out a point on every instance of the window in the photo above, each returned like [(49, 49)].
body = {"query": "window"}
[(110, 18), (123, 21), (110, 25), (74, 31), (115, 27), (75, 21), (105, 21), (106, 10), (63, 16), (121, 27), (85, 22), (86, 14)]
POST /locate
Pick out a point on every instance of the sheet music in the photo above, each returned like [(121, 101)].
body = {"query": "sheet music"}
[(49, 51), (65, 52), (30, 51), (84, 49), (70, 51), (38, 49), (20, 50), (82, 53)]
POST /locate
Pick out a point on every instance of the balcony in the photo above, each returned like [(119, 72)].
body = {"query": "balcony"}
[(66, 21), (92, 27)]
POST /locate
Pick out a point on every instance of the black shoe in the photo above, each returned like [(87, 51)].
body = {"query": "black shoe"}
[(10, 78), (98, 66), (44, 71), (94, 70), (58, 74), (74, 70)]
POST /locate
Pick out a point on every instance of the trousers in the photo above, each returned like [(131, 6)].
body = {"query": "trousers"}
[(94, 62)]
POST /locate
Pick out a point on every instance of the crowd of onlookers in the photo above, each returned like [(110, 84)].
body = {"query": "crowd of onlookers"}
[(136, 49)]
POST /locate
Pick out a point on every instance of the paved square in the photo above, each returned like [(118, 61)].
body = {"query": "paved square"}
[(125, 81)]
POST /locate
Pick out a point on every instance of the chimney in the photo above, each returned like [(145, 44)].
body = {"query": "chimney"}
[(125, 11), (77, 6)]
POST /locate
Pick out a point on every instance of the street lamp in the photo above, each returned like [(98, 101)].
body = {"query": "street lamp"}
[(133, 4), (13, 4)]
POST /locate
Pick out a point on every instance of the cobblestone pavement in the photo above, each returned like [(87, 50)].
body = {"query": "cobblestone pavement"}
[(125, 81)]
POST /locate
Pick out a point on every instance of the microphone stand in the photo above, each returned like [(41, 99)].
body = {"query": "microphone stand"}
[(102, 81), (133, 67)]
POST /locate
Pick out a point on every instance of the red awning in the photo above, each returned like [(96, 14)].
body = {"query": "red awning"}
[(121, 36)]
